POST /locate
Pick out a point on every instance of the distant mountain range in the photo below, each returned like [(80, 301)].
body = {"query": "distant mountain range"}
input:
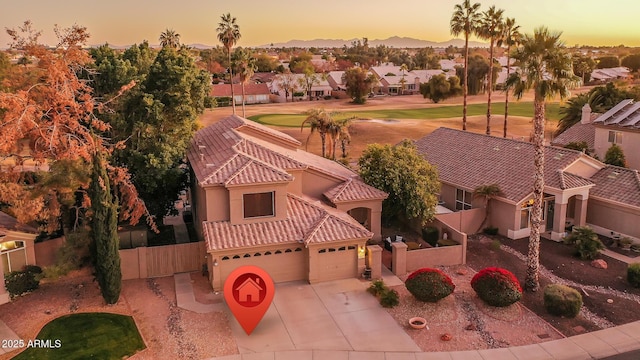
[(394, 41)]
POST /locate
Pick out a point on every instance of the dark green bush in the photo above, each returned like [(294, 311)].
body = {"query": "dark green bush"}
[(633, 274), (389, 298), (377, 287), (491, 230), (561, 300), (431, 235), (497, 287), (585, 241), (429, 285), (20, 282)]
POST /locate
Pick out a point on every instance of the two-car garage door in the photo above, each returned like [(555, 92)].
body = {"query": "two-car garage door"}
[(287, 264)]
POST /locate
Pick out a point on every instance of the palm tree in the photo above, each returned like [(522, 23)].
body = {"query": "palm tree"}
[(511, 37), (464, 20), (170, 38), (545, 67), (319, 121), (403, 82), (246, 65), (491, 28), (228, 35), (486, 192), (339, 132)]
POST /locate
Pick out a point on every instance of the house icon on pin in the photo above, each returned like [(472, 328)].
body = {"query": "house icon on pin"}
[(249, 291)]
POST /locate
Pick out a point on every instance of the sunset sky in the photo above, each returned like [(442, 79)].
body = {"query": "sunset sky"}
[(122, 22)]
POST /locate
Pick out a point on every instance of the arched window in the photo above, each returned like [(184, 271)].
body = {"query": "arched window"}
[(342, 249), (225, 258), (288, 251), (278, 252), (247, 255), (298, 249), (267, 253), (321, 251), (332, 250), (236, 256), (257, 254)]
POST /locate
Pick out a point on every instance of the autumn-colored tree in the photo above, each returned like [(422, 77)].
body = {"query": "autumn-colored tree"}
[(56, 115)]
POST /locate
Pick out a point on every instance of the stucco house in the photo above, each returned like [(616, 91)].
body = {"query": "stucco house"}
[(254, 93), (259, 200), (579, 190), (620, 125), (16, 249)]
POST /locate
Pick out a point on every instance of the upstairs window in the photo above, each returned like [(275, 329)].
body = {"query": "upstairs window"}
[(463, 199), (615, 137), (258, 205)]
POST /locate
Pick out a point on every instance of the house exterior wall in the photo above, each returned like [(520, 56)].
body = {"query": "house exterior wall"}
[(236, 205), (374, 214), (432, 257), (314, 183), (630, 144), (606, 217), (295, 186), (217, 204), (504, 216)]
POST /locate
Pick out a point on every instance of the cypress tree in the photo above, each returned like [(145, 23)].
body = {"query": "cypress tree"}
[(104, 232)]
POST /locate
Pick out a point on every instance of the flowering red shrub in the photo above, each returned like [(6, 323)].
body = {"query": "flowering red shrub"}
[(497, 286), (429, 285)]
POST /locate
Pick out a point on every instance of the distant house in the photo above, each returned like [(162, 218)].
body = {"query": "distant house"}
[(260, 200), (579, 190), (254, 93), (600, 76), (335, 79), (320, 88), (393, 80), (620, 126)]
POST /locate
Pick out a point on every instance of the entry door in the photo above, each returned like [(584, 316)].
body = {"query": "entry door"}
[(550, 208)]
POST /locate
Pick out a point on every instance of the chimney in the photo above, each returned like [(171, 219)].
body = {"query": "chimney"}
[(586, 114)]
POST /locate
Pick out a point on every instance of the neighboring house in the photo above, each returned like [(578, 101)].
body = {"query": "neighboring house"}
[(579, 190), (319, 89), (16, 249), (254, 93), (391, 79), (600, 76), (336, 80), (262, 201), (620, 125), (584, 131)]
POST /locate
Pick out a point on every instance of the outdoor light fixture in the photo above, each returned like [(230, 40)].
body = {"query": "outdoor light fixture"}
[(215, 262), (361, 252)]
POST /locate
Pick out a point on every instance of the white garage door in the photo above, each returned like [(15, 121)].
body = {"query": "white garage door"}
[(338, 263), (281, 264)]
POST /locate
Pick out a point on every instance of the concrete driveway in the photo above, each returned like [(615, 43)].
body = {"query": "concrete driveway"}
[(336, 315)]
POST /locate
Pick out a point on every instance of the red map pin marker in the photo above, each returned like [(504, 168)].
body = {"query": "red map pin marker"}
[(248, 292)]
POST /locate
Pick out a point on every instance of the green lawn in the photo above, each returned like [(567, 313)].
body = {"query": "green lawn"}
[(515, 108), (88, 336)]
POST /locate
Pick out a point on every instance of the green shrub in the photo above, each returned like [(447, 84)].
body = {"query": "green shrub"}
[(585, 242), (496, 245), (497, 286), (431, 235), (377, 287), (389, 298), (72, 255), (429, 285), (20, 282), (491, 230), (35, 270), (561, 300), (633, 274)]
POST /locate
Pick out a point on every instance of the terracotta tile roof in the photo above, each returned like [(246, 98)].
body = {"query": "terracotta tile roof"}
[(307, 222), (571, 181), (255, 172), (617, 184), (269, 156), (468, 160), (9, 223), (224, 90), (576, 133), (354, 189)]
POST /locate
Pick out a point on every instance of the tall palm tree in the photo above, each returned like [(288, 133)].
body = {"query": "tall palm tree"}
[(228, 35), (545, 67), (170, 38), (491, 28), (511, 36), (403, 82), (320, 121), (339, 132), (465, 20), (246, 65)]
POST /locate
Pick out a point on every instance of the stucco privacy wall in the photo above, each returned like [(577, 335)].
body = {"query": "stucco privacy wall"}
[(617, 218)]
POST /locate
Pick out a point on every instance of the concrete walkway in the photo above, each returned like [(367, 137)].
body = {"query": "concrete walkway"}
[(619, 257), (187, 300), (594, 345), (7, 334)]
